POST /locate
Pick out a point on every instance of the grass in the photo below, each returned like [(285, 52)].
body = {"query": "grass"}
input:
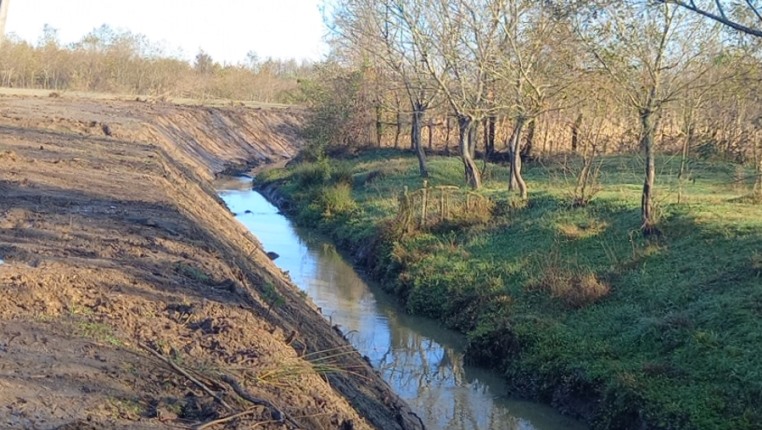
[(287, 373), (192, 272), (572, 302), (124, 408), (98, 331)]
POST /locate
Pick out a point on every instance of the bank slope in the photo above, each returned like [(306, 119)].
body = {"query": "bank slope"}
[(122, 268)]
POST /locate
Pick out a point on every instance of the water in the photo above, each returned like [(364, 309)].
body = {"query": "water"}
[(422, 361)]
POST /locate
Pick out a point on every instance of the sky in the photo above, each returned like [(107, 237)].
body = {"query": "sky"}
[(224, 29)]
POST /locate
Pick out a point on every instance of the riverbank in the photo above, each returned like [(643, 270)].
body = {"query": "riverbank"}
[(571, 303), (132, 297), (421, 360)]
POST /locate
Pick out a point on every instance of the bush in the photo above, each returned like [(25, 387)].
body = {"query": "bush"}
[(341, 173), (336, 200), (312, 174)]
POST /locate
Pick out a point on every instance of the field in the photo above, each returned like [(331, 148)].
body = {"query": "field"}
[(570, 301)]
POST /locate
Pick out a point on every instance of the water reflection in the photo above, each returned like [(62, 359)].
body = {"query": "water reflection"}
[(421, 361)]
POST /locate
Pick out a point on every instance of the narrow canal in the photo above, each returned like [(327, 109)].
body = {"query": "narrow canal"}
[(422, 361)]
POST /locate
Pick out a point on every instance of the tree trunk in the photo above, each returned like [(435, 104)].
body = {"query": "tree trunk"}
[(473, 138), (526, 151), (575, 132), (516, 181), (472, 176), (399, 130), (545, 137), (447, 134), (490, 137), (415, 138), (3, 17), (689, 132), (758, 164), (646, 203), (379, 126)]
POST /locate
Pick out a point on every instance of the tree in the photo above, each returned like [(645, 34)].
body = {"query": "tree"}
[(653, 53), (378, 30), (339, 109), (533, 66), (203, 63), (458, 42)]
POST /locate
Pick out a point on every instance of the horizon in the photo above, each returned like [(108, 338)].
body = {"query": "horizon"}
[(231, 32)]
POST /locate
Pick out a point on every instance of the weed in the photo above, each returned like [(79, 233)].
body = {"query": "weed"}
[(191, 272), (79, 310), (575, 288), (312, 174), (98, 331), (341, 173), (271, 296), (336, 200), (129, 409)]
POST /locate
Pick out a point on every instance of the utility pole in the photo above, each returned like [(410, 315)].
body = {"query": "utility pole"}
[(3, 16)]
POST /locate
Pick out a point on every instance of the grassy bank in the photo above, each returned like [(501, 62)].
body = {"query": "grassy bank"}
[(572, 303)]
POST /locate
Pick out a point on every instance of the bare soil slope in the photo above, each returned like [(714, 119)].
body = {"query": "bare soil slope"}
[(122, 269)]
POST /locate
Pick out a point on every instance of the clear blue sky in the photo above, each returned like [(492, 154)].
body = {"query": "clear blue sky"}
[(225, 29)]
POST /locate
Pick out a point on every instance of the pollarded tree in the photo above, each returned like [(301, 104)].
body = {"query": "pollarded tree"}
[(532, 68), (653, 52)]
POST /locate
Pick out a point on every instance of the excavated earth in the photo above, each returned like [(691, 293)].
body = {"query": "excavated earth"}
[(130, 297)]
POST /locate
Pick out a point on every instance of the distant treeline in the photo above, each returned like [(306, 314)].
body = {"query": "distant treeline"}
[(114, 61)]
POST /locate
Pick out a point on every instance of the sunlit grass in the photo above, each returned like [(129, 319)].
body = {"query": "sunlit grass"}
[(669, 325)]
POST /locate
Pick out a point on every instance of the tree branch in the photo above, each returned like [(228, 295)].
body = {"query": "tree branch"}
[(722, 18)]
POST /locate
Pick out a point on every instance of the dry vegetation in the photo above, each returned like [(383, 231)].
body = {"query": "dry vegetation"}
[(110, 61)]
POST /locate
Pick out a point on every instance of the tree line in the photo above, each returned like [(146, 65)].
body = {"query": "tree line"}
[(521, 79), (115, 61)]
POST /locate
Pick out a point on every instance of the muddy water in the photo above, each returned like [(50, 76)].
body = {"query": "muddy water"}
[(421, 361)]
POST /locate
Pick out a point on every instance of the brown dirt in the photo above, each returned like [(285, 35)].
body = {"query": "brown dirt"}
[(113, 238)]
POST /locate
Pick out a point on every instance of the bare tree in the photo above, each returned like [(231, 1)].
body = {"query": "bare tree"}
[(654, 54), (533, 67), (379, 29), (457, 42)]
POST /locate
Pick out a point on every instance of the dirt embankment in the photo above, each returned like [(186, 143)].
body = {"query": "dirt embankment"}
[(119, 259)]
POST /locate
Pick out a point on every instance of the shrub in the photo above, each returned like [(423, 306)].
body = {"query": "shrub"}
[(312, 174), (336, 200), (341, 173)]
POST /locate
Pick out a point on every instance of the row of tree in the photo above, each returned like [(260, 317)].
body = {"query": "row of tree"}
[(106, 60), (599, 74)]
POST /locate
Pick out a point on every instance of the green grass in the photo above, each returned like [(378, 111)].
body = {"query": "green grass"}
[(673, 336), (98, 331), (192, 272)]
